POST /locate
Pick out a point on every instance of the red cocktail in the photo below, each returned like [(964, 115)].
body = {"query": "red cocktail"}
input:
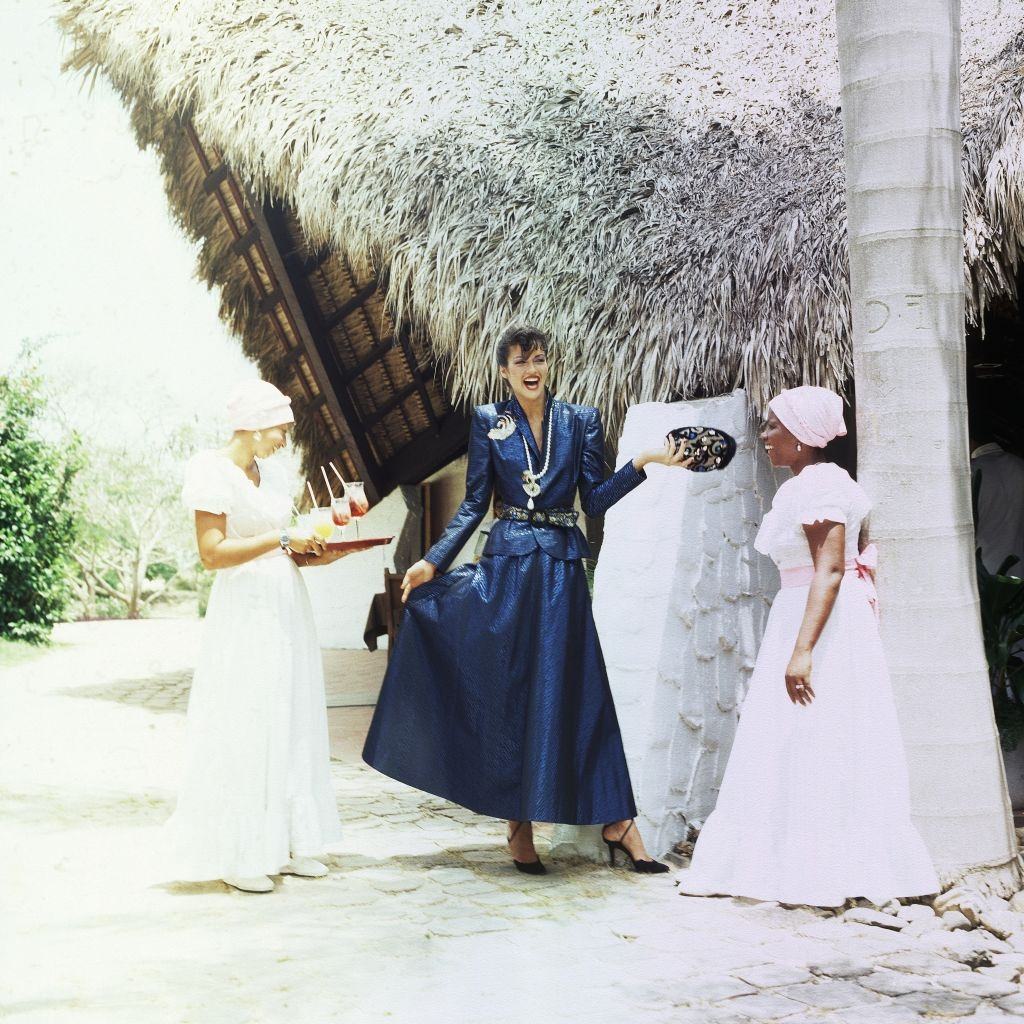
[(341, 511), (359, 503)]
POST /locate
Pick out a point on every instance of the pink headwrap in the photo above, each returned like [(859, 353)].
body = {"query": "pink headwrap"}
[(812, 415), (257, 405)]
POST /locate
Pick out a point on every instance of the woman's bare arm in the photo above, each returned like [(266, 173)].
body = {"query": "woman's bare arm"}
[(828, 550), (218, 551)]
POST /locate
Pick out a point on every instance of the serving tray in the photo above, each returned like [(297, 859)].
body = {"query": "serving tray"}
[(358, 544)]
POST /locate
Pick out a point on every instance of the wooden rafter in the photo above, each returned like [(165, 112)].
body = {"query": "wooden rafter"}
[(254, 242), (417, 374), (349, 307), (394, 402), (335, 342), (373, 356), (430, 451), (321, 356)]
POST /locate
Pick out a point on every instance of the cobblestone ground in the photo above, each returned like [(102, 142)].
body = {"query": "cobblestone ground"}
[(422, 918)]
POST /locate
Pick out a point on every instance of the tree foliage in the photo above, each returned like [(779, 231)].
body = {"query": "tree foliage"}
[(135, 547), (37, 517)]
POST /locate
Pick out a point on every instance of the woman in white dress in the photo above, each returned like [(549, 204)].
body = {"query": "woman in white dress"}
[(814, 807), (256, 798)]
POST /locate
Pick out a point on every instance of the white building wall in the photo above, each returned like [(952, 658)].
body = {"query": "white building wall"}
[(449, 491), (341, 593)]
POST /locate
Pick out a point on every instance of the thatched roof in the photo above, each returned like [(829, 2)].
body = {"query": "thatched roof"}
[(658, 182)]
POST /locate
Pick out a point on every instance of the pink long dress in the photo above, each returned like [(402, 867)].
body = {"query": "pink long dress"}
[(814, 807)]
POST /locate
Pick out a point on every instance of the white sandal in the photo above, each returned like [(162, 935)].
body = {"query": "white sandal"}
[(259, 883), (305, 867)]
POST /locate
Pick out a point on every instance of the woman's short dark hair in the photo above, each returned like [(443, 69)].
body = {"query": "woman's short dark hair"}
[(527, 338)]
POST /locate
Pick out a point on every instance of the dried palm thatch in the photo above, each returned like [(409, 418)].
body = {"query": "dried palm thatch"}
[(657, 182)]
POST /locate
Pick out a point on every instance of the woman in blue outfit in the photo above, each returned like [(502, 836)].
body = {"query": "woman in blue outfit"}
[(496, 695)]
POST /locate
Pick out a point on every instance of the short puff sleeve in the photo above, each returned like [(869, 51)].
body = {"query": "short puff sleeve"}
[(829, 494), (207, 484)]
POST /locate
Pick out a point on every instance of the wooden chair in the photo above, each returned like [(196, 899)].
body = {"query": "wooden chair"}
[(393, 606)]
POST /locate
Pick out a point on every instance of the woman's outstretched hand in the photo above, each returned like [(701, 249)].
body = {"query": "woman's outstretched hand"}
[(673, 454), (331, 555), (798, 678), (301, 545), (418, 574)]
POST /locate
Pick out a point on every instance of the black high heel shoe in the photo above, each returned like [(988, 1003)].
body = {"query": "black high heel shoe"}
[(643, 867), (527, 867)]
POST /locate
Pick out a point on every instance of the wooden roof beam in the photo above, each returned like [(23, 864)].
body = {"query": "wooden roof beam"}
[(246, 241), (215, 178), (270, 300), (306, 265), (348, 307), (375, 355), (390, 405), (428, 406), (429, 451), (303, 314)]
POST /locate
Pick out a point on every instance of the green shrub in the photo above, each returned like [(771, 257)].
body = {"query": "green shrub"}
[(37, 519)]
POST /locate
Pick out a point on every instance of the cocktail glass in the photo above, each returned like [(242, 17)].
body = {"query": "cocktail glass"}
[(304, 524), (341, 513), (360, 504), (323, 523)]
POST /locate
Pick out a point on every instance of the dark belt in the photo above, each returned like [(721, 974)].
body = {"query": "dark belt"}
[(564, 517)]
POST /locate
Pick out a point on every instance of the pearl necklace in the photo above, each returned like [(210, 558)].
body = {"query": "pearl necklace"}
[(531, 480)]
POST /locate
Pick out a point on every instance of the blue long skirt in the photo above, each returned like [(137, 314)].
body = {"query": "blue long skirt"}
[(496, 696)]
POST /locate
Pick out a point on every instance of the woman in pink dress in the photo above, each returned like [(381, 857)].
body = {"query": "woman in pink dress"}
[(814, 807)]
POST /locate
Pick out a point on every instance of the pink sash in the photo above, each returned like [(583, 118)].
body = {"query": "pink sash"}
[(863, 566)]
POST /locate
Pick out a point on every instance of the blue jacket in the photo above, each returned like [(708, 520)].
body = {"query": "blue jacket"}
[(577, 463)]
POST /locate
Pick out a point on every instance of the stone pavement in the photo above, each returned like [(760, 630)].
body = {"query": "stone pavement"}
[(422, 918)]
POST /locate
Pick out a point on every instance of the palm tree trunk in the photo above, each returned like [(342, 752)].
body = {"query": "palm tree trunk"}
[(899, 73)]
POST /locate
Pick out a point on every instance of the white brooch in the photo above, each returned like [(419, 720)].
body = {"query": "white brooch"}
[(503, 428)]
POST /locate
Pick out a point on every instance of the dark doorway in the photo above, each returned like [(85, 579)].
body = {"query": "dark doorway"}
[(995, 373)]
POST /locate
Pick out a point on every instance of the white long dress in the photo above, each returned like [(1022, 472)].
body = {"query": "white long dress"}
[(257, 784), (814, 806)]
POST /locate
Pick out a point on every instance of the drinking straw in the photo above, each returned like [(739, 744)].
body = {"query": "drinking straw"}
[(311, 494), (328, 482), (336, 473), (295, 511)]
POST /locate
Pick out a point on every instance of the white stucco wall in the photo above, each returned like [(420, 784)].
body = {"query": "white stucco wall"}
[(680, 601), (341, 593), (449, 491)]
